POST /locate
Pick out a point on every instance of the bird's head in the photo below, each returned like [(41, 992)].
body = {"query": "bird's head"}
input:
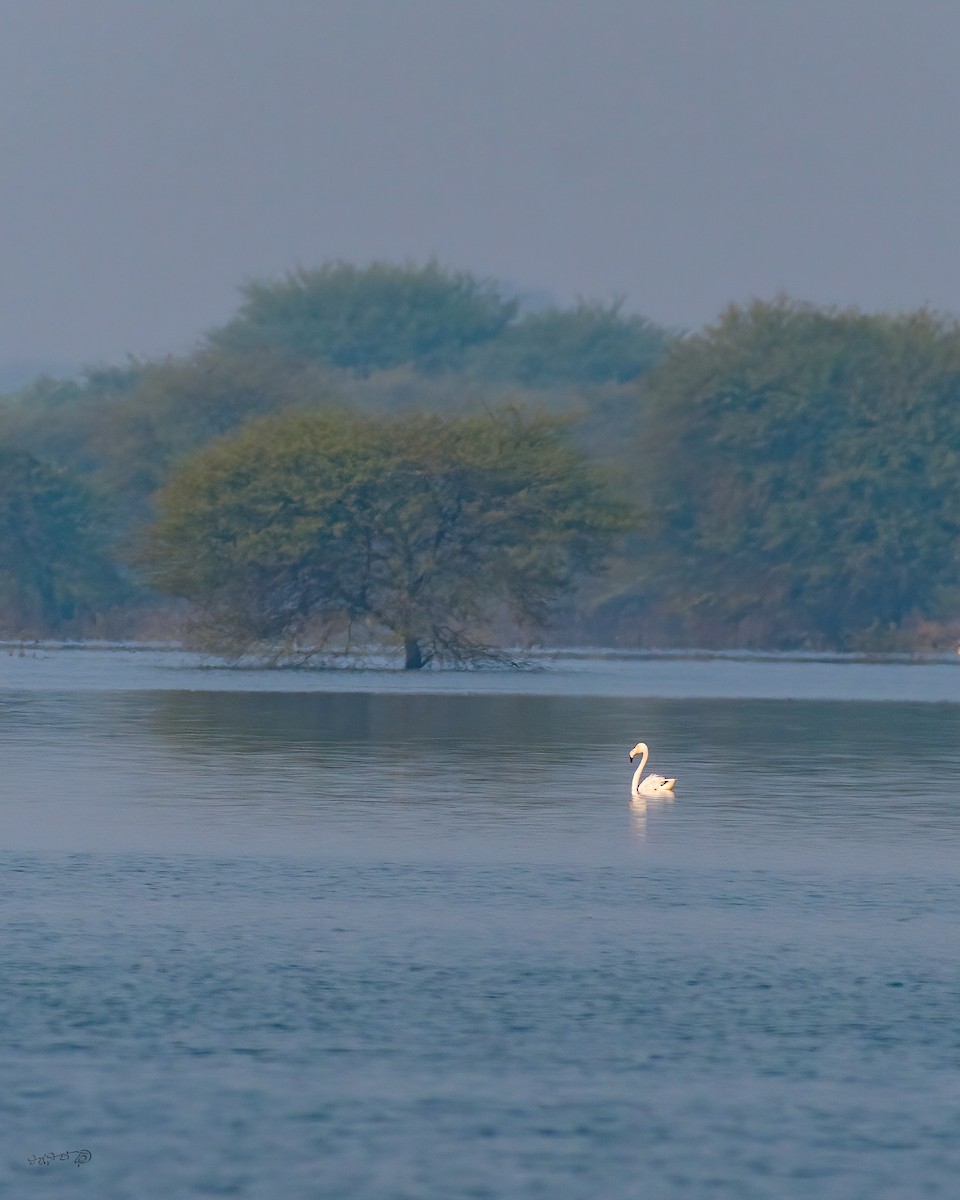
[(639, 748)]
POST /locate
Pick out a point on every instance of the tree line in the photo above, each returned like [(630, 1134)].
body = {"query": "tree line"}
[(402, 454)]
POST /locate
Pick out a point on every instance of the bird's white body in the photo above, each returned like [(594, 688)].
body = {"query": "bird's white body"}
[(652, 785)]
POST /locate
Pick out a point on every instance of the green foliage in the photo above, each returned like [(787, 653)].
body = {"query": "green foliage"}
[(385, 338), (803, 467), (126, 430), (797, 469), (377, 318), (181, 405), (62, 420), (54, 570), (367, 319), (420, 527), (589, 344)]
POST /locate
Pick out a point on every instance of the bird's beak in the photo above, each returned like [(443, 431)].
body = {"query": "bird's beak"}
[(629, 758)]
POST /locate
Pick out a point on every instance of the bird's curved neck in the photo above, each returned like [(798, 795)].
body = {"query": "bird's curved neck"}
[(644, 754)]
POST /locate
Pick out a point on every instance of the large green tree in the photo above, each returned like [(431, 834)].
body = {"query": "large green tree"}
[(420, 528), (802, 466)]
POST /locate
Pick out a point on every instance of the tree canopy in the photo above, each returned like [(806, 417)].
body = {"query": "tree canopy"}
[(796, 466), (54, 568), (386, 315), (803, 469), (557, 347), (422, 529), (367, 319)]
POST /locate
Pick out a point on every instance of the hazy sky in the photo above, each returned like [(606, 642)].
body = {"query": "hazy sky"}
[(683, 153)]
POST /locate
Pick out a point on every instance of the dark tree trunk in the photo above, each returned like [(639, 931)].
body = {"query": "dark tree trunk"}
[(412, 654)]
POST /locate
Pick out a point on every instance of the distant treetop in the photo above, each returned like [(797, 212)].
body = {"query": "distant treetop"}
[(591, 343), (375, 318), (371, 318)]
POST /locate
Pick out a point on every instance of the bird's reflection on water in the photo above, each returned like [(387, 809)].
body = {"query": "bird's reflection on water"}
[(641, 807)]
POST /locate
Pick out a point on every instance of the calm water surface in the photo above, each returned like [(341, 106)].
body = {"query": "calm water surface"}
[(374, 936)]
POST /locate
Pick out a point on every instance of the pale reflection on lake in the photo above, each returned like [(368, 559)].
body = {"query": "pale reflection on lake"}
[(375, 934)]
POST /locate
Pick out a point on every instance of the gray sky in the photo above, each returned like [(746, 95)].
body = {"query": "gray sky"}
[(683, 153)]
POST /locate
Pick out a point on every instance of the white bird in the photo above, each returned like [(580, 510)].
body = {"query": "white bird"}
[(653, 785)]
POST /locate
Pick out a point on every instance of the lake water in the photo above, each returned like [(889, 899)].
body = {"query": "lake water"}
[(384, 936)]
